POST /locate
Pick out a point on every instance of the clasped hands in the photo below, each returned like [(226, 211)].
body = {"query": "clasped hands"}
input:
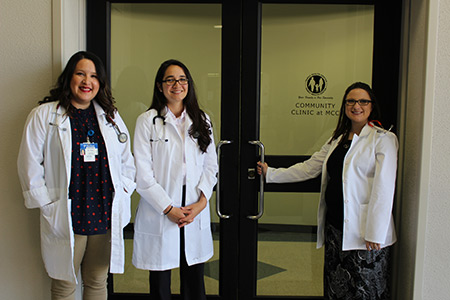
[(183, 216)]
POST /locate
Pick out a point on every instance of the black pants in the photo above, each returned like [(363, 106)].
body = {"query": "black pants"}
[(192, 285)]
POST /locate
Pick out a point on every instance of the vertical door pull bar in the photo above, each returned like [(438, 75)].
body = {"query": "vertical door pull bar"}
[(219, 145), (261, 184)]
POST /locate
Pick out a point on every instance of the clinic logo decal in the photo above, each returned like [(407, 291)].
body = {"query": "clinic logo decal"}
[(316, 84)]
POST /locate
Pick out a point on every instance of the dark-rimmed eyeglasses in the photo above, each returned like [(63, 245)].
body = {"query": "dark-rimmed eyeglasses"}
[(173, 81), (361, 102)]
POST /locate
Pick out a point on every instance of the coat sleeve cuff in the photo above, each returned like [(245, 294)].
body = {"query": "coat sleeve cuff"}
[(129, 185), (205, 190), (269, 174), (37, 197)]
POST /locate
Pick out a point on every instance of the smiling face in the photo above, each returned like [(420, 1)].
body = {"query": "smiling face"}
[(174, 93), (359, 115), (84, 84)]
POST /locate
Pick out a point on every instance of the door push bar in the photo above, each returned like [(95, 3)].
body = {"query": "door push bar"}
[(219, 146), (261, 184)]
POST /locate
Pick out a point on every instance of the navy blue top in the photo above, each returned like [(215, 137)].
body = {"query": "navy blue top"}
[(334, 195), (91, 189)]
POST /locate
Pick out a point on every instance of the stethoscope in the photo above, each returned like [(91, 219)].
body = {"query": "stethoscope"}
[(121, 136), (161, 137), (55, 115), (380, 127)]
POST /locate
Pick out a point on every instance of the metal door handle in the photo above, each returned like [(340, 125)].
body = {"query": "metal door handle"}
[(261, 184), (219, 145)]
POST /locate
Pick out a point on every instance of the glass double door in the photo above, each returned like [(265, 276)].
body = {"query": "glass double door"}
[(271, 76)]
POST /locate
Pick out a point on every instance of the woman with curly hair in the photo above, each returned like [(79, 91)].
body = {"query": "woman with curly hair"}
[(75, 164)]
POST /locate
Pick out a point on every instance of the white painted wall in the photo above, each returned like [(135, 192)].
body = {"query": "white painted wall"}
[(33, 49)]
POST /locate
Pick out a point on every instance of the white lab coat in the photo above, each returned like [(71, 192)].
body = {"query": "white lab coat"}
[(369, 173), (159, 181), (44, 167)]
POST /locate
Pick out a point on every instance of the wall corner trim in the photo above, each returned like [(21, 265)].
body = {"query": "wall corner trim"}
[(68, 32), (425, 177)]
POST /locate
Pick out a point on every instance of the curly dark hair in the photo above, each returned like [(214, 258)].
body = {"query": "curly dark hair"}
[(62, 92), (201, 127), (344, 123)]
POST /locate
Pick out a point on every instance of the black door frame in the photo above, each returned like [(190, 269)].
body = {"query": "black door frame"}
[(241, 68), (385, 82)]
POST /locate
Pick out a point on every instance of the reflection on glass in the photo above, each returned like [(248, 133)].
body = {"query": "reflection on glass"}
[(142, 37), (310, 54)]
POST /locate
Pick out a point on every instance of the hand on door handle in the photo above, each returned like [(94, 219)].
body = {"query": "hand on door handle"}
[(261, 184), (262, 168)]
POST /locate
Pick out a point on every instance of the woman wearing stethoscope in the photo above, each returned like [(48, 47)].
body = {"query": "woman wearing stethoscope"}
[(75, 164), (176, 167), (358, 165)]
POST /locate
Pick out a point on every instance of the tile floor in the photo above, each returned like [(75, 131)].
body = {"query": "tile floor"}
[(286, 267)]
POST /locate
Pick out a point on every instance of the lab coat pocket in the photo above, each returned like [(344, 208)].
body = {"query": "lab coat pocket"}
[(148, 220), (54, 219), (363, 219)]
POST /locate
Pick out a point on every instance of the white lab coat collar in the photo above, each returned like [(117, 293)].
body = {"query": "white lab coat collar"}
[(61, 111), (171, 118), (364, 131)]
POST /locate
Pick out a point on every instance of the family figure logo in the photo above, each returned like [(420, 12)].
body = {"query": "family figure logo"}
[(316, 84)]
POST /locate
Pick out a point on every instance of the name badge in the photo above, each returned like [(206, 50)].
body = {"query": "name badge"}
[(89, 151)]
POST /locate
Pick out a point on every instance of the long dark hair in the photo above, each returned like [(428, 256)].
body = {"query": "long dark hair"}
[(344, 123), (201, 128), (62, 92)]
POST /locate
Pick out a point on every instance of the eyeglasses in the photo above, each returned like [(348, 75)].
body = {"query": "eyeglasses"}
[(362, 102), (173, 81)]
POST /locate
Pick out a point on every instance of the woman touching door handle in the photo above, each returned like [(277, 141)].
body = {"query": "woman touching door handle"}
[(261, 184), (262, 168), (352, 236)]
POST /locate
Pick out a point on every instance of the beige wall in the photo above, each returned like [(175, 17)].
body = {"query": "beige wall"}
[(26, 75), (421, 256), (434, 208), (424, 186), (411, 126)]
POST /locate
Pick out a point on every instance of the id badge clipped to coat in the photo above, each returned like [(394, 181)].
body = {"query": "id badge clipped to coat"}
[(89, 151)]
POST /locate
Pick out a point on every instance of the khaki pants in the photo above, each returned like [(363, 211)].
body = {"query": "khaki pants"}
[(91, 254)]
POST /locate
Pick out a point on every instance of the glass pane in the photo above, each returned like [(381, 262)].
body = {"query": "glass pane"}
[(310, 54), (304, 42), (142, 37)]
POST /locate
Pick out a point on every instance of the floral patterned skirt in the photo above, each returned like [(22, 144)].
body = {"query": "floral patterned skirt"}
[(355, 274)]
